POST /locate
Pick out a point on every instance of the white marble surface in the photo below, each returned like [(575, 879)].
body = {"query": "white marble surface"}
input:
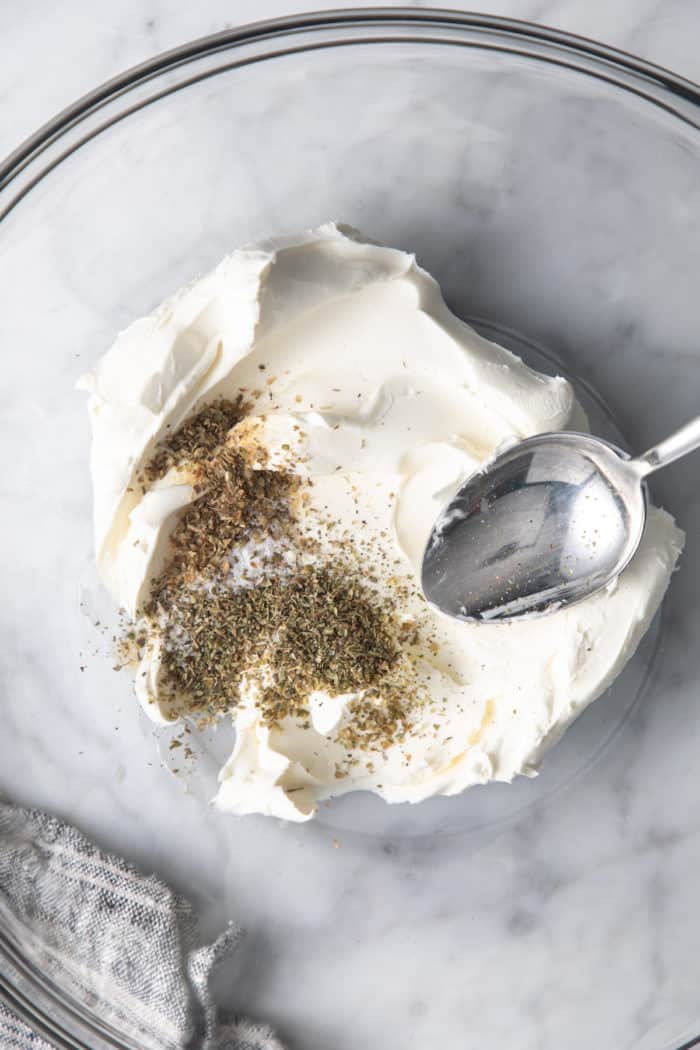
[(573, 924), (80, 44)]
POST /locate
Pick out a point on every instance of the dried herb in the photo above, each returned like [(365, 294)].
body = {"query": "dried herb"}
[(300, 626), (197, 438), (317, 629)]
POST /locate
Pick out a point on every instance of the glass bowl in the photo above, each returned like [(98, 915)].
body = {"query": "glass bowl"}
[(551, 185)]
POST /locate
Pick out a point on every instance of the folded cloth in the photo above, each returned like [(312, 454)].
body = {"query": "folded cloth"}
[(118, 943)]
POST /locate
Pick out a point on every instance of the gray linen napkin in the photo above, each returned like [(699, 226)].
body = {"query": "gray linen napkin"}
[(116, 941)]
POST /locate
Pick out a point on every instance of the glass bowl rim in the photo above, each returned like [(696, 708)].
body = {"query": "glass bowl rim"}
[(47, 147), (55, 1015)]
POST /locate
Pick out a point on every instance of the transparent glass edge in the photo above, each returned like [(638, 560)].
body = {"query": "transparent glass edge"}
[(33, 159), (38, 154)]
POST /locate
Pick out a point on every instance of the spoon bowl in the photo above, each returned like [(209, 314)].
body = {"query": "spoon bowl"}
[(545, 524)]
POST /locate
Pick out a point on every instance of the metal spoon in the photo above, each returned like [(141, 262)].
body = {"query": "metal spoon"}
[(546, 524)]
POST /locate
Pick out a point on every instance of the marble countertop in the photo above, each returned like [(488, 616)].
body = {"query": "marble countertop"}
[(79, 46), (533, 934)]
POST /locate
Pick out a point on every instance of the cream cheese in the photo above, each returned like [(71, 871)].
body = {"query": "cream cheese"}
[(398, 401)]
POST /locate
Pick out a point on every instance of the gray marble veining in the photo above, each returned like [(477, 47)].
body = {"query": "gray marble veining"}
[(570, 921)]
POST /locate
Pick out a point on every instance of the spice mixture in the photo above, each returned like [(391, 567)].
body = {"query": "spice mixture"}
[(280, 620)]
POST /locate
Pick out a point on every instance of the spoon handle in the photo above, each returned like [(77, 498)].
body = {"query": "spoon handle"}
[(683, 441)]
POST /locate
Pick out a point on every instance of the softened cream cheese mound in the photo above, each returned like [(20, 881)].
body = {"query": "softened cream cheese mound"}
[(398, 402)]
